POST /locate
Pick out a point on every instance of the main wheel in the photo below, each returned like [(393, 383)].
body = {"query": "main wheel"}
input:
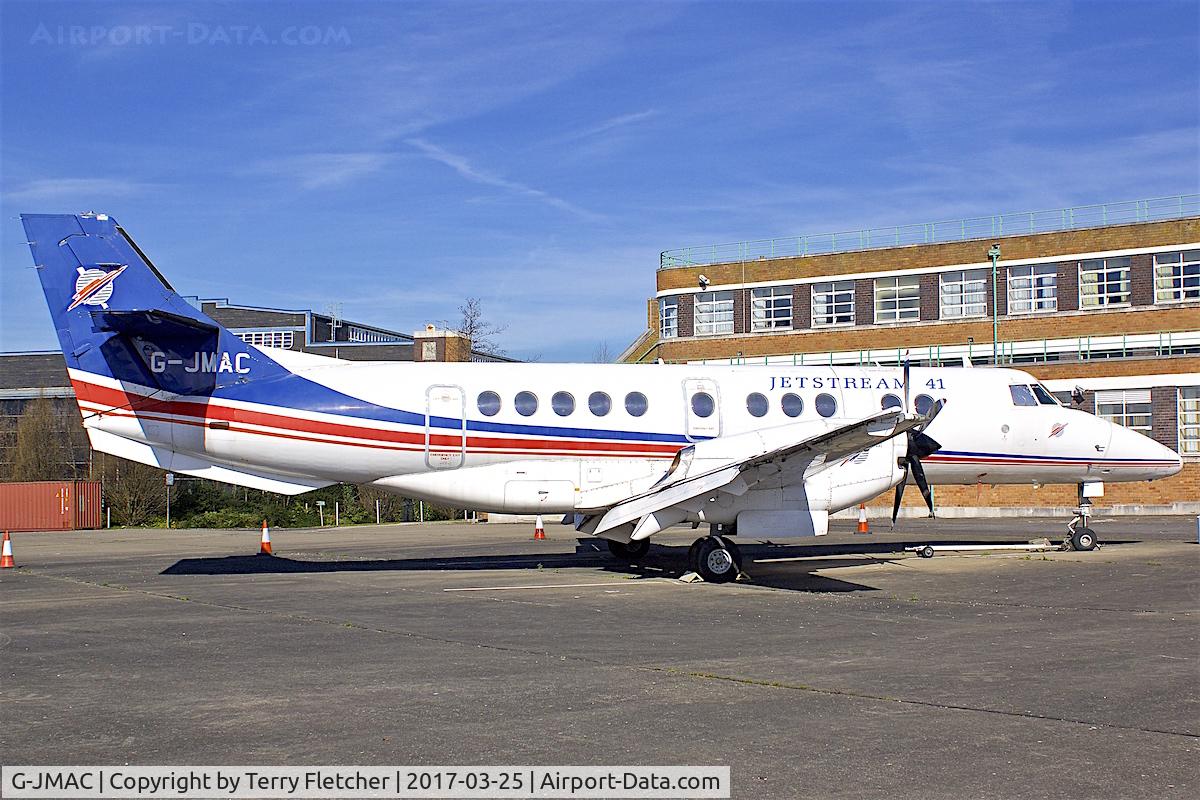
[(630, 550), (1083, 539), (926, 552), (713, 560)]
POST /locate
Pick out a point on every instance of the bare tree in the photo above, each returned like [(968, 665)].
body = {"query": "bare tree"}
[(135, 491), (478, 331), (602, 355), (38, 453)]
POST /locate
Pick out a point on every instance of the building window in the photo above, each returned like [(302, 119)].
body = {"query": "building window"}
[(714, 313), (963, 293), (771, 308), (668, 317), (281, 339), (1177, 276), (833, 303), (357, 334), (1189, 420), (1128, 407), (898, 299), (429, 351), (1104, 282), (1033, 289)]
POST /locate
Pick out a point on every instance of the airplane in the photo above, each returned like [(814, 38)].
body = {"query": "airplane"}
[(623, 451)]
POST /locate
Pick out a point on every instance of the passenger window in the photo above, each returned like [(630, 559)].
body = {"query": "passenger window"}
[(825, 404), (563, 403), (599, 403), (757, 404), (923, 404), (526, 403), (1043, 395), (1021, 395), (791, 404), (636, 404), (702, 404), (488, 403), (890, 401)]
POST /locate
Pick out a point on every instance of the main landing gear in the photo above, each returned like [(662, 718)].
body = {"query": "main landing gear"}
[(715, 558), (1082, 537)]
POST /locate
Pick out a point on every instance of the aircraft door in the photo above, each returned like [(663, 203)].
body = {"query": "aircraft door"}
[(701, 409), (445, 427)]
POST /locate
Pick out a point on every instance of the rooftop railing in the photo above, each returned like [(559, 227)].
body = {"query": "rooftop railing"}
[(1016, 224)]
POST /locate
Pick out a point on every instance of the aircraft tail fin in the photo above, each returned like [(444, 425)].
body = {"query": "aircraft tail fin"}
[(117, 317)]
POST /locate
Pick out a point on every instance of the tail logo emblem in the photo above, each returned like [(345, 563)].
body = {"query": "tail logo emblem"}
[(94, 287)]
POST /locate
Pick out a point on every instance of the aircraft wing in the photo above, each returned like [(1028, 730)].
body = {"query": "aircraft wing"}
[(758, 457)]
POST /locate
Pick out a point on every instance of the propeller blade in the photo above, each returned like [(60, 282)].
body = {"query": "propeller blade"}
[(922, 444), (899, 496), (918, 473), (907, 407)]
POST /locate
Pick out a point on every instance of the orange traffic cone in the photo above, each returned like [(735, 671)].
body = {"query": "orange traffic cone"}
[(863, 525), (539, 532), (264, 544), (6, 559)]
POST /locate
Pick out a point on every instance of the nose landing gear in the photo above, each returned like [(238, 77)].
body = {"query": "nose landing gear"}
[(1082, 537), (716, 559)]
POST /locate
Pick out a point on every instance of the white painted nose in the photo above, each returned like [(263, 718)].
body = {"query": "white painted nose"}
[(1133, 456)]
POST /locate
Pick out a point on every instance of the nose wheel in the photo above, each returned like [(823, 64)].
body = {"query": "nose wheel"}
[(1082, 537), (716, 559)]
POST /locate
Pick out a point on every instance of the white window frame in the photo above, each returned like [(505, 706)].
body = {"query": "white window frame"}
[(771, 308), (833, 304), (1169, 277), (279, 339), (1188, 411), (1102, 268), (962, 294), (898, 299), (1033, 289), (1130, 408), (714, 313), (668, 317)]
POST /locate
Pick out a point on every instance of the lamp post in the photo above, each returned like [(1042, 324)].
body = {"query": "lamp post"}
[(994, 255)]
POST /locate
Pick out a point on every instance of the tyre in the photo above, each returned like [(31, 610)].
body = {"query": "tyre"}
[(629, 550), (926, 552), (1083, 539), (715, 562)]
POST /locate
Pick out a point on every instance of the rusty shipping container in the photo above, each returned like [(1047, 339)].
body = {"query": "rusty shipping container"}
[(50, 506)]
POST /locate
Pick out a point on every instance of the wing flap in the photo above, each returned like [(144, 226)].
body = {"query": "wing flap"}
[(736, 477)]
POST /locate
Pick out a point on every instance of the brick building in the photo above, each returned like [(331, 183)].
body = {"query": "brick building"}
[(27, 376), (1106, 298)]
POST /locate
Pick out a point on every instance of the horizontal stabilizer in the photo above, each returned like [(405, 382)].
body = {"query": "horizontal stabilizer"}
[(162, 458), (153, 323)]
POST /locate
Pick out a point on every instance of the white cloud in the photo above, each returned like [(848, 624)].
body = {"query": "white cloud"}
[(323, 170), (471, 173), (46, 190)]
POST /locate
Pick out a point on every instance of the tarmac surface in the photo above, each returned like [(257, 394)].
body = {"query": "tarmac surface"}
[(844, 668)]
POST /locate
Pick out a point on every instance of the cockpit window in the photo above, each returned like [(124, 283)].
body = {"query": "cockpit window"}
[(1043, 395), (1021, 395)]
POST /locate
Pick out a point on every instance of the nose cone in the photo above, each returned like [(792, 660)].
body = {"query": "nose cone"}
[(1135, 457)]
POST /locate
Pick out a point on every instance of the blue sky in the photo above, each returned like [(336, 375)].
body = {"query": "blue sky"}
[(540, 155)]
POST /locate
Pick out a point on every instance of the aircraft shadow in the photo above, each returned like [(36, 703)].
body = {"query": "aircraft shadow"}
[(662, 561)]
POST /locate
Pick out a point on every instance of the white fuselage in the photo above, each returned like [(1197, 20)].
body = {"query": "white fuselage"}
[(422, 430)]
